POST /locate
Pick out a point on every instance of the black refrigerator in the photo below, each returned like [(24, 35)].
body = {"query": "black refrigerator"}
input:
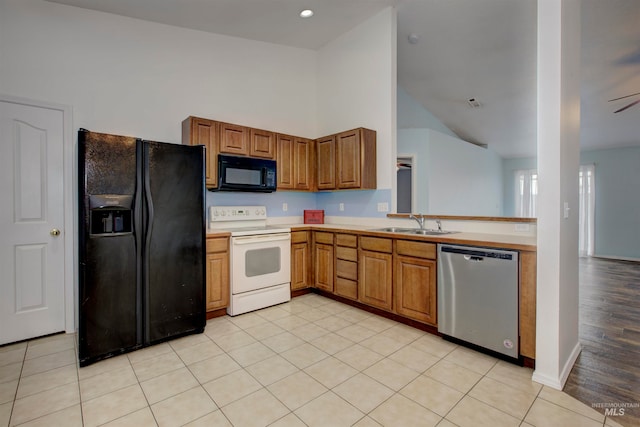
[(141, 243)]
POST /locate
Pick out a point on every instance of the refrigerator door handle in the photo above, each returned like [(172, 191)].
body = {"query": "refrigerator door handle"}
[(147, 202)]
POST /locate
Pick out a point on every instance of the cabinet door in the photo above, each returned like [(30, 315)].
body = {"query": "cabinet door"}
[(303, 160), (262, 143), (375, 279), (217, 280), (415, 288), (234, 139), (528, 269), (204, 132), (326, 163), (323, 267), (284, 162), (348, 158), (299, 266)]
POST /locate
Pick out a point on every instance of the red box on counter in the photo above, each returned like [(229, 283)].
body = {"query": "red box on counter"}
[(314, 216)]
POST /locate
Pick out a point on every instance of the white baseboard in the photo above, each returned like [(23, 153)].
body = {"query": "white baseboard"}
[(558, 382), (617, 258), (566, 369)]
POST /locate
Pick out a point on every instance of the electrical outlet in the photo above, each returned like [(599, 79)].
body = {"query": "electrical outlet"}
[(522, 227), (383, 207), (341, 207), (285, 207)]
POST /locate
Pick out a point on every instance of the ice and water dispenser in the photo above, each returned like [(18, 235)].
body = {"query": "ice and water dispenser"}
[(110, 214)]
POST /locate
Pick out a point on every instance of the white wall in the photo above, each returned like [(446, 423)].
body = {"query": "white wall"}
[(134, 77), (464, 179), (454, 177), (357, 86), (413, 115)]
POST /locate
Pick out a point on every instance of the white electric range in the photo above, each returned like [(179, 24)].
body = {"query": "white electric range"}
[(260, 263)]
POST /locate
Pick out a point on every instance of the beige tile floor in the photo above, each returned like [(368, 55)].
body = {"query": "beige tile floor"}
[(312, 361)]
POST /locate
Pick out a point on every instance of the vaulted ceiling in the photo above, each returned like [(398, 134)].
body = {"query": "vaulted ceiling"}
[(481, 49)]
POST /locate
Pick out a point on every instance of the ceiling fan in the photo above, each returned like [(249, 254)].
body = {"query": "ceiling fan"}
[(637, 101)]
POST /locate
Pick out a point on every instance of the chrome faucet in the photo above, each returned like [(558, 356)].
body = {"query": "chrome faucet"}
[(439, 224), (420, 220)]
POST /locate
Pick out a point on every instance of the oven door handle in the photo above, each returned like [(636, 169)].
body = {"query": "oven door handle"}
[(247, 240)]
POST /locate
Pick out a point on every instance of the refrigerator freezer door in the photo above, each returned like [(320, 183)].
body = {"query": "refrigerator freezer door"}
[(108, 272), (174, 255)]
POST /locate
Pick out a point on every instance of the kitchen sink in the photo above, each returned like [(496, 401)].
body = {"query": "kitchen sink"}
[(414, 231), (431, 232), (395, 230)]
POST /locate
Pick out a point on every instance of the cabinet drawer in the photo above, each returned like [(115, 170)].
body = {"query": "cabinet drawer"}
[(217, 244), (349, 240), (299, 237), (347, 269), (323, 237), (348, 254), (376, 244), (346, 288), (416, 249)]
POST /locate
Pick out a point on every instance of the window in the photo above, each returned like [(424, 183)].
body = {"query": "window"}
[(526, 202), (586, 183), (526, 193)]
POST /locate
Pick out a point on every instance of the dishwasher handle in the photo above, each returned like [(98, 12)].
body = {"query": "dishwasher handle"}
[(476, 254)]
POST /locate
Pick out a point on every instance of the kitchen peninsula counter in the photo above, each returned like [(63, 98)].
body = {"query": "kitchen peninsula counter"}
[(503, 241)]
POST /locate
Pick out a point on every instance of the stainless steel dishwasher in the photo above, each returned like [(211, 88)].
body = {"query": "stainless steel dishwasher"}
[(478, 297)]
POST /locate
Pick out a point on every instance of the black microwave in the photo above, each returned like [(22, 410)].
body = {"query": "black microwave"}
[(246, 174)]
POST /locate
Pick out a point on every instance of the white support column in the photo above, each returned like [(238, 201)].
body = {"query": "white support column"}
[(557, 344)]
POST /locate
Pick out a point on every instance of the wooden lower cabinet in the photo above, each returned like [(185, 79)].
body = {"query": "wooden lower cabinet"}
[(528, 267), (415, 288), (346, 284), (323, 261), (300, 260), (217, 273), (375, 279)]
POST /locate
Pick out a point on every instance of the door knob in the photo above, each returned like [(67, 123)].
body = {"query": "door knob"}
[(54, 232)]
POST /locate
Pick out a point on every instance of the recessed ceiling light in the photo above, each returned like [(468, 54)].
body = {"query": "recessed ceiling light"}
[(307, 13)]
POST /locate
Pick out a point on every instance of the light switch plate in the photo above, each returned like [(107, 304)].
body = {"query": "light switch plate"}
[(383, 207)]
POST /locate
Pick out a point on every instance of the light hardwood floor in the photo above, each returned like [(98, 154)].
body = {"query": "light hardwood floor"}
[(608, 369)]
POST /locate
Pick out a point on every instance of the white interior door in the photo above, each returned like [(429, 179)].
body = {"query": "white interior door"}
[(32, 292)]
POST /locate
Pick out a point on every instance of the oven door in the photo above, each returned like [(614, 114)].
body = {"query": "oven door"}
[(260, 261)]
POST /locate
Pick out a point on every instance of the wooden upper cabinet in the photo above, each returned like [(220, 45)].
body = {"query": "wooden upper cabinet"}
[(234, 139), (262, 143), (326, 163), (347, 160), (196, 131), (295, 160), (284, 161), (304, 171)]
